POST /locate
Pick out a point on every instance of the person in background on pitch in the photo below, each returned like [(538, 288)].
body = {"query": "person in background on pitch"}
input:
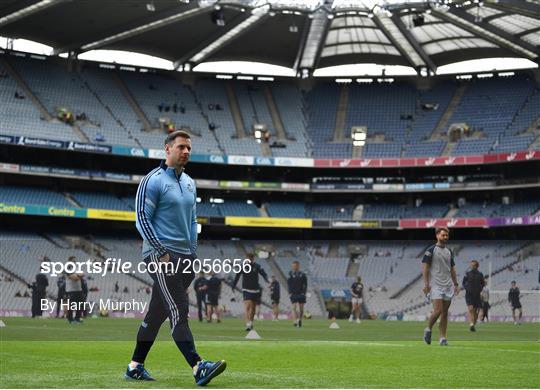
[(513, 298), (61, 284), (484, 296), (200, 286), (275, 295), (212, 298), (439, 274), (251, 289), (74, 291), (473, 282), (357, 292), (39, 292), (297, 284), (165, 209), (84, 286)]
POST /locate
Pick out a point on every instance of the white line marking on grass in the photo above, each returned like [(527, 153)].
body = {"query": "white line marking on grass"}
[(495, 349)]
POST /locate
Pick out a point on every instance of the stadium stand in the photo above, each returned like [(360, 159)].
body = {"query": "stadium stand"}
[(277, 209), (56, 88), (21, 117), (239, 208), (473, 146), (165, 98), (253, 106), (32, 195), (381, 108), (382, 150), (291, 106), (430, 107), (211, 93), (400, 119), (286, 209), (424, 149), (499, 111), (99, 200), (321, 108)]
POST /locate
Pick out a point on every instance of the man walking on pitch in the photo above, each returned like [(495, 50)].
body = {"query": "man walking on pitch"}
[(275, 295), (212, 298), (200, 286), (74, 291), (513, 298), (251, 288), (473, 282), (166, 219), (297, 284), (440, 283), (484, 295), (357, 292)]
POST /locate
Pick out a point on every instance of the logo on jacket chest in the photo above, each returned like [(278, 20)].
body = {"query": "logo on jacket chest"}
[(167, 188)]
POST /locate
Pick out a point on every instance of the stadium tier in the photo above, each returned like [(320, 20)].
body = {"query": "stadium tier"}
[(21, 195), (133, 109)]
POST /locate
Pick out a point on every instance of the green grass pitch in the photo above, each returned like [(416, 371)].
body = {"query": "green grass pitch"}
[(49, 353)]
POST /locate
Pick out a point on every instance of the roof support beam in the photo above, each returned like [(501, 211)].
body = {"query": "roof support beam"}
[(419, 51), (255, 18), (303, 42), (27, 11), (156, 22), (314, 40), (489, 33), (229, 26), (495, 30), (527, 32), (316, 52), (530, 9)]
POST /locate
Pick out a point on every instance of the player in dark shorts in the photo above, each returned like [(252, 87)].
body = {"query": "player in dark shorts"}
[(357, 292), (251, 289), (484, 295), (473, 283), (297, 284), (200, 286), (275, 294), (212, 298), (513, 298)]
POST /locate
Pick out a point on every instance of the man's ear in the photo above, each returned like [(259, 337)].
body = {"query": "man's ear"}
[(167, 148)]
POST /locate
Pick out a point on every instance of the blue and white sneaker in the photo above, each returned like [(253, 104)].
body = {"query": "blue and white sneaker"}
[(138, 373), (427, 336), (443, 341), (207, 370)]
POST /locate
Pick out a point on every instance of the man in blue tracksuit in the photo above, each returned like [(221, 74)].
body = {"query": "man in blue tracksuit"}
[(166, 219)]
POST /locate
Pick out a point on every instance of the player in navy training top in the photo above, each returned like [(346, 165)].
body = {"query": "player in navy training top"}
[(513, 298), (212, 297), (297, 284), (357, 292), (275, 295), (200, 286), (251, 289)]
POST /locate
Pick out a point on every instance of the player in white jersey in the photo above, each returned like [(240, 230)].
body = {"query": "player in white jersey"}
[(440, 283)]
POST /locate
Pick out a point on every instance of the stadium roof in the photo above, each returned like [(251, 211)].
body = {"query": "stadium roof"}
[(302, 35)]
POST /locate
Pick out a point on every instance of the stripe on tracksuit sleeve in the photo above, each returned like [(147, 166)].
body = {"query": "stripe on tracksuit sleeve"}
[(145, 204), (193, 233)]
